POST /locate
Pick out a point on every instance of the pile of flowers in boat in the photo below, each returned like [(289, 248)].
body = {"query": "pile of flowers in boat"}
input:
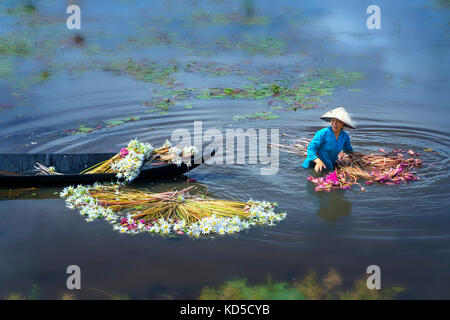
[(128, 162)]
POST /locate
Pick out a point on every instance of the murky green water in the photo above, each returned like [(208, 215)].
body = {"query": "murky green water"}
[(137, 70)]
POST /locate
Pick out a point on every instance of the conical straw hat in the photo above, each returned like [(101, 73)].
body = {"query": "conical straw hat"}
[(340, 114)]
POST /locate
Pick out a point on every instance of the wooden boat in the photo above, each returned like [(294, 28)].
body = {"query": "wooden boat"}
[(18, 169)]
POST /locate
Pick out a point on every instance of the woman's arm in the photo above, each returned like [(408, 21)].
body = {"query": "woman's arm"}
[(347, 147), (312, 149)]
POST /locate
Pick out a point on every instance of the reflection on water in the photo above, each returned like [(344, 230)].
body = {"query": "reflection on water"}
[(140, 70), (331, 206)]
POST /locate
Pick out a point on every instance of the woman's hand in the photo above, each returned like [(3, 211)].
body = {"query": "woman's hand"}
[(319, 165)]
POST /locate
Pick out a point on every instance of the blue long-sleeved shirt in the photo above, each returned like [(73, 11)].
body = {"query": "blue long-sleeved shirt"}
[(325, 146)]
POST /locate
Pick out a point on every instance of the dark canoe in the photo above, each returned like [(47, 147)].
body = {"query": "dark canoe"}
[(18, 169)]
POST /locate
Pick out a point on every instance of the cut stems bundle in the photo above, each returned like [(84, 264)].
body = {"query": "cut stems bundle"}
[(390, 168), (45, 171), (174, 154), (131, 210), (298, 146)]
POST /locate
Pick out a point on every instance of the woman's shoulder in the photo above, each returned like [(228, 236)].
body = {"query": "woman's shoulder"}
[(323, 130), (345, 134)]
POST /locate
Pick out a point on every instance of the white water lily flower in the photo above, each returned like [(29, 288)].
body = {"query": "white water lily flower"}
[(123, 229), (167, 144), (128, 166), (130, 219), (206, 229), (194, 150), (140, 225), (165, 227), (187, 151), (175, 151), (110, 217)]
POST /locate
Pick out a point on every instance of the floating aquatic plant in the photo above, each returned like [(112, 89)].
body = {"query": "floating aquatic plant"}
[(213, 69), (258, 115), (179, 212), (114, 123), (269, 46), (6, 67), (22, 9), (303, 93), (203, 19), (16, 47), (83, 129), (146, 71), (261, 92), (159, 103), (6, 106)]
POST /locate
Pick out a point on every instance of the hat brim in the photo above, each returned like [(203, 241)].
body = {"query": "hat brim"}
[(328, 119)]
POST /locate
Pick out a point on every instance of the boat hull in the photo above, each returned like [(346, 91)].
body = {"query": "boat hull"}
[(18, 169)]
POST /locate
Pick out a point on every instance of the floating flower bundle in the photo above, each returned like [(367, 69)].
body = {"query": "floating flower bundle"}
[(134, 211), (129, 160), (389, 168)]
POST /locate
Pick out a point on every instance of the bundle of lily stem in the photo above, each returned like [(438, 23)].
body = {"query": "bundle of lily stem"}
[(390, 168), (45, 171), (129, 160), (132, 210)]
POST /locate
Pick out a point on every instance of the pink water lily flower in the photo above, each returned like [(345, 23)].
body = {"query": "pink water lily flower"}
[(123, 152), (333, 176)]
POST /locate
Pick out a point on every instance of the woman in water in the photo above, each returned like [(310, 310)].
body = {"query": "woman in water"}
[(324, 148)]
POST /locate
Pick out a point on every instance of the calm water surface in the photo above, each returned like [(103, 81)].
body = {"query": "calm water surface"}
[(402, 102)]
